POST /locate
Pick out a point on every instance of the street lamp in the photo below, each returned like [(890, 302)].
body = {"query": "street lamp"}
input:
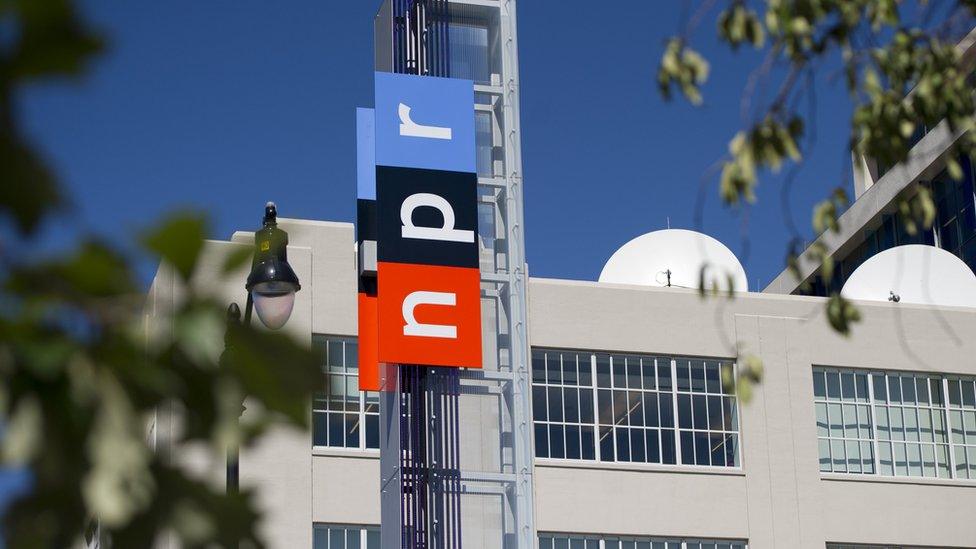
[(272, 284), (271, 287)]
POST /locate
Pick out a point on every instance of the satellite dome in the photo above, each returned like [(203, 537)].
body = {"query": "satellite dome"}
[(674, 255), (915, 273)]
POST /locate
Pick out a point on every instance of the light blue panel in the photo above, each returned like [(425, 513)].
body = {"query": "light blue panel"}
[(365, 154), (424, 122)]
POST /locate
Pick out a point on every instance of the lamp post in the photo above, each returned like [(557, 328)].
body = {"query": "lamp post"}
[(271, 287)]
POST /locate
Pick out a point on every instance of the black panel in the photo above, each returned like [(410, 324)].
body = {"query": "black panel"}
[(460, 190), (365, 220)]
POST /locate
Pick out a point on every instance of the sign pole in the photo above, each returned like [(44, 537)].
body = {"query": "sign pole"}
[(420, 296)]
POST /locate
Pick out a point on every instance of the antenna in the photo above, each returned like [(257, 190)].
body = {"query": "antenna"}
[(678, 254)]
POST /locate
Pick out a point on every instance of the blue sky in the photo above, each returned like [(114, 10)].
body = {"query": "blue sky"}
[(222, 105)]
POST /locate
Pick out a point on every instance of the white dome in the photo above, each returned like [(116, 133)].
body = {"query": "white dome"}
[(916, 273), (647, 259)]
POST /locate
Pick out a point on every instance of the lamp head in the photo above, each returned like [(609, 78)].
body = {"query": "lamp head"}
[(272, 282)]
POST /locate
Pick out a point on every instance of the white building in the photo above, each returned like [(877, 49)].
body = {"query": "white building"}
[(818, 456), (867, 441)]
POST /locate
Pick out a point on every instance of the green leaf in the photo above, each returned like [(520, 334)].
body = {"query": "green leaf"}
[(916, 210), (178, 241), (22, 434), (841, 314), (198, 333), (954, 168), (273, 369), (827, 212), (52, 40), (750, 374), (739, 24), (237, 259), (682, 67), (28, 190), (93, 271), (119, 483)]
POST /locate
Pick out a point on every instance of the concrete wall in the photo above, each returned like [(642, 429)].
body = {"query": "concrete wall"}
[(280, 466), (779, 499)]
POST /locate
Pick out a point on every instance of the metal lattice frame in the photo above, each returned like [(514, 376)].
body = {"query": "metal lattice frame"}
[(507, 284), (504, 283)]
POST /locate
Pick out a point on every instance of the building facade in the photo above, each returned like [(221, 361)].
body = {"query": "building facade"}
[(847, 442)]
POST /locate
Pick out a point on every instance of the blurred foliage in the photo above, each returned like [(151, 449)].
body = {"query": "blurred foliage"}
[(900, 64), (82, 370), (741, 378)]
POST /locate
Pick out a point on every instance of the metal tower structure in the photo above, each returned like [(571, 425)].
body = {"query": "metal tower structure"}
[(477, 40)]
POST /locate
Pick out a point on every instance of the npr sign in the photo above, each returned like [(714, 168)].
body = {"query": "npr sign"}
[(427, 303)]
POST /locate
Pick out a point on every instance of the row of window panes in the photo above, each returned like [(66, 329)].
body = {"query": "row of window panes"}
[(573, 541), (638, 425), (331, 536), (895, 424), (863, 546), (342, 415), (610, 407)]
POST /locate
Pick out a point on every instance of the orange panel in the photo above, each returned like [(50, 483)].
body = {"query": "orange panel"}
[(429, 315), (369, 371)]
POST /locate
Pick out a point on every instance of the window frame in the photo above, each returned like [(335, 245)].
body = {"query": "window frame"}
[(364, 530), (875, 404), (833, 545), (673, 392), (347, 374), (610, 541)]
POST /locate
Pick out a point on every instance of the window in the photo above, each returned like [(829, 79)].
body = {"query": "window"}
[(473, 52), (575, 541), (622, 408), (340, 413), (484, 142), (895, 423), (962, 419), (709, 433), (331, 536), (844, 422), (863, 546), (488, 131)]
